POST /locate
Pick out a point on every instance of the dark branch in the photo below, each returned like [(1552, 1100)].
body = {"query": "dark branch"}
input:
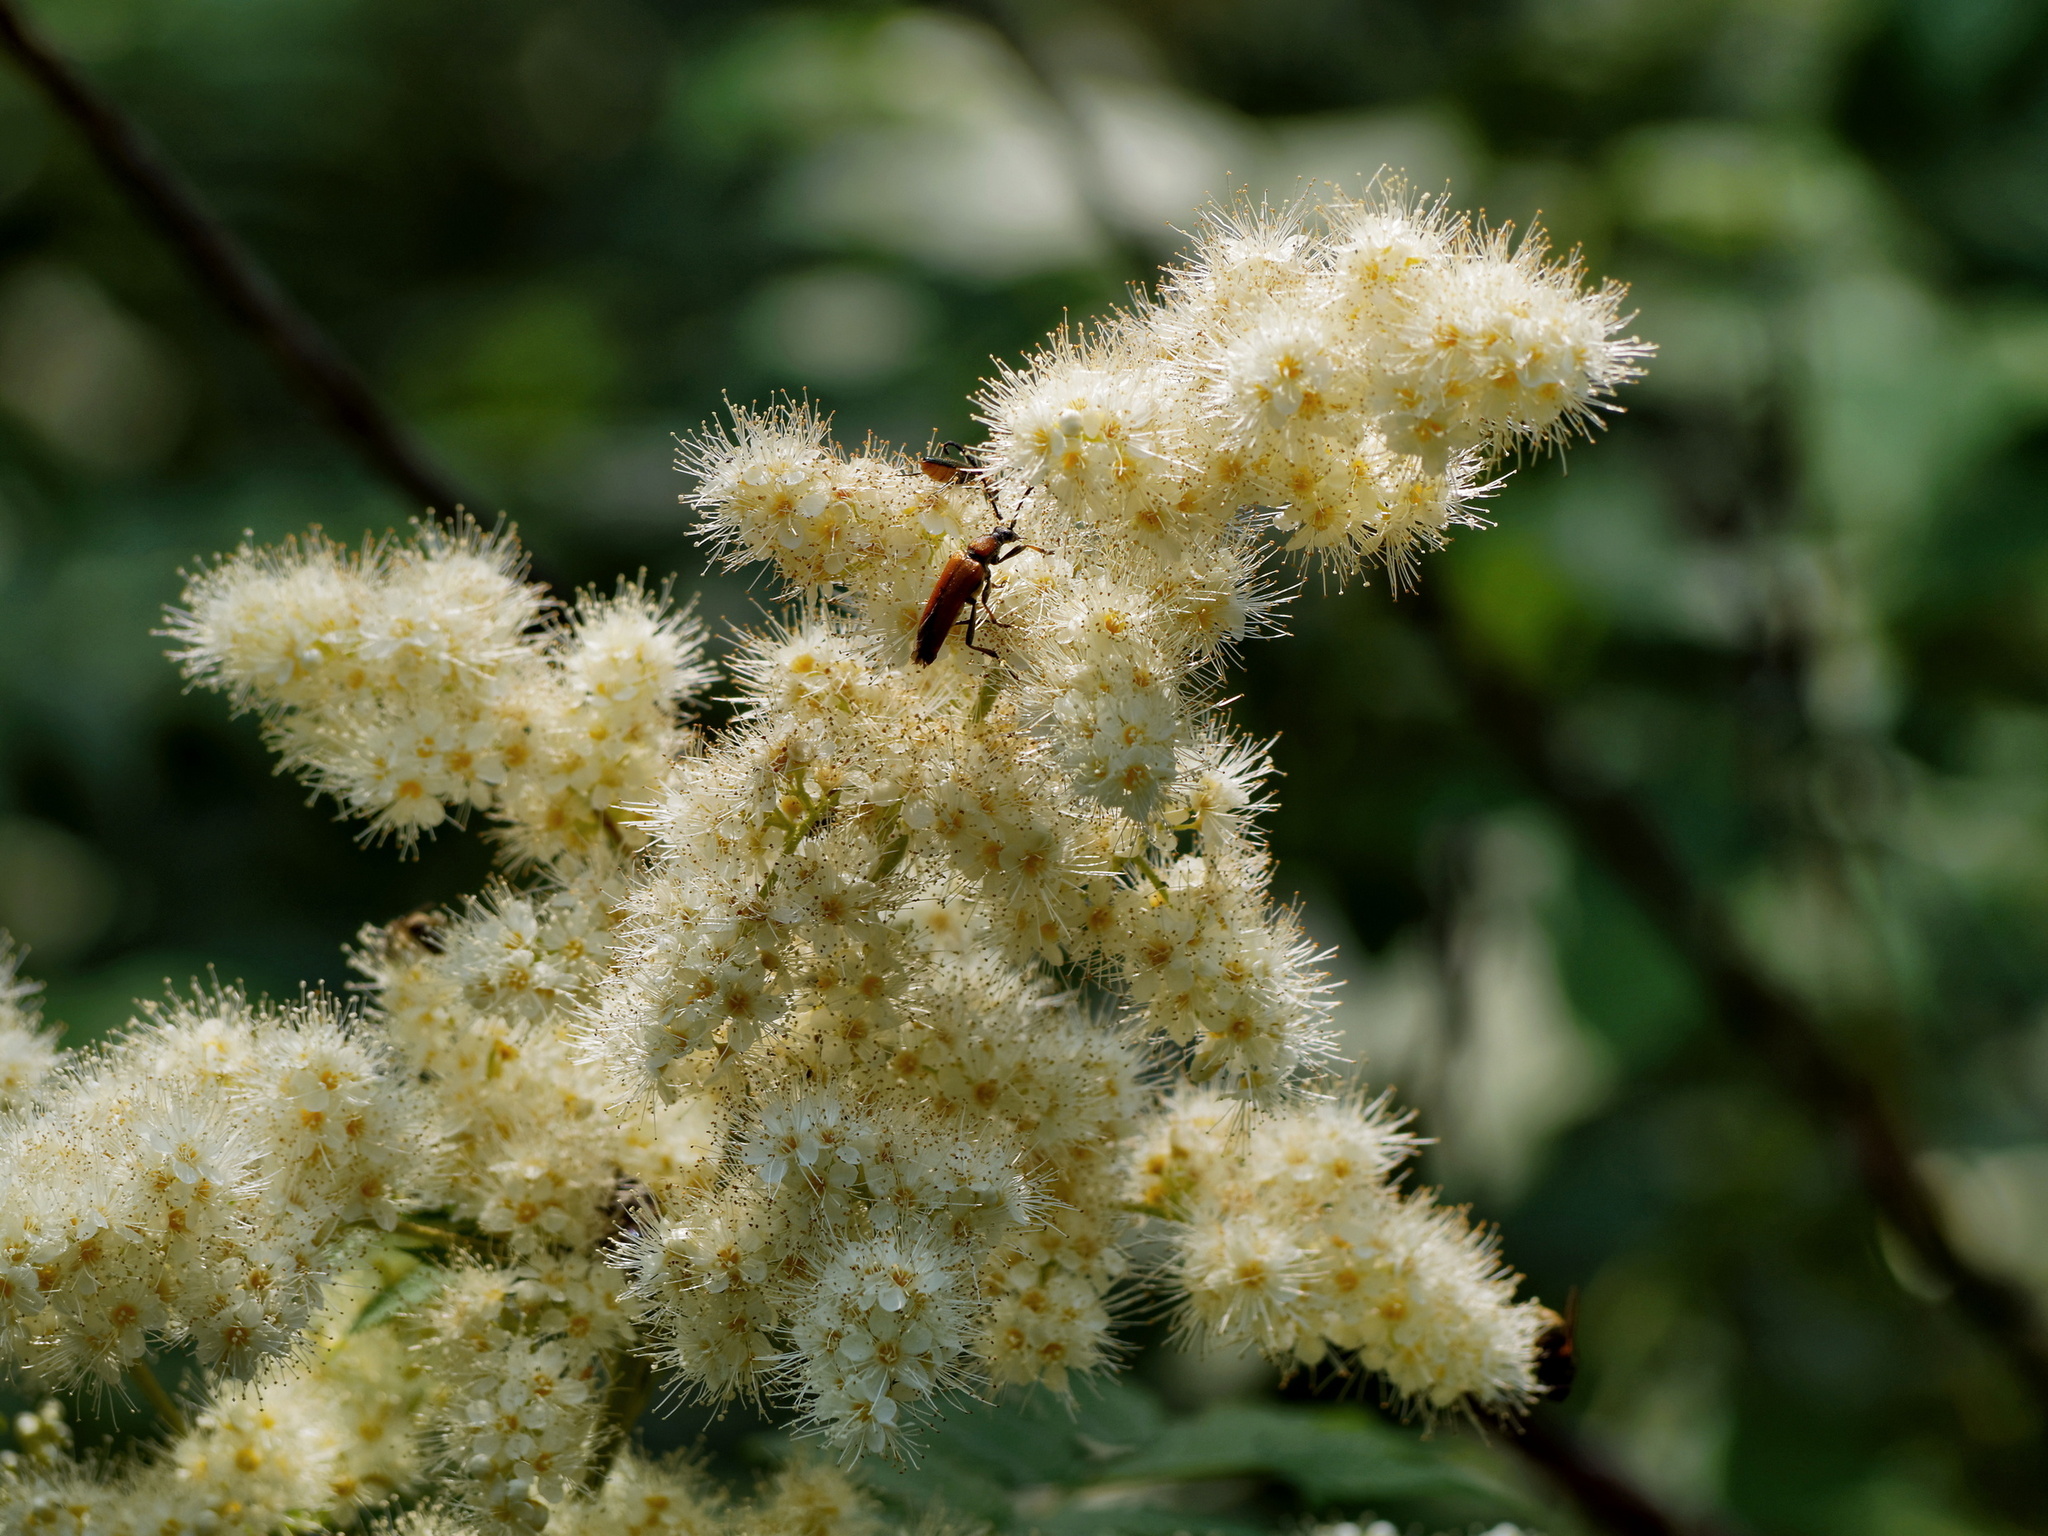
[(1780, 1028), (230, 271), (1608, 1500)]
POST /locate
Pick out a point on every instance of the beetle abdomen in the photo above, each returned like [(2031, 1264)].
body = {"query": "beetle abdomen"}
[(957, 583)]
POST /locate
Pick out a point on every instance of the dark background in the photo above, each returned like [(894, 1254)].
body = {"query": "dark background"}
[(1796, 598)]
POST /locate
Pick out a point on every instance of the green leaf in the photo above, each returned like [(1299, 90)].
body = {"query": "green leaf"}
[(1332, 1456), (401, 1295), (939, 1482), (973, 1463), (1140, 1521), (1108, 1415), (1105, 1464)]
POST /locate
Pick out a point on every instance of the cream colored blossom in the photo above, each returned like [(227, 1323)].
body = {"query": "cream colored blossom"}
[(755, 1067), (417, 682), (1288, 1238), (28, 1051)]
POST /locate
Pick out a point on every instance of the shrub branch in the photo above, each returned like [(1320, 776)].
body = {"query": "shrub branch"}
[(230, 271)]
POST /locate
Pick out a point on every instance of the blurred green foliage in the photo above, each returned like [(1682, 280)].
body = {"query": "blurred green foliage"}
[(1797, 598)]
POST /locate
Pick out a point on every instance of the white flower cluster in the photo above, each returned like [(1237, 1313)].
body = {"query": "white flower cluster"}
[(835, 1060), (671, 1498), (414, 682), (525, 1429), (28, 1052), (481, 1007), (205, 1176), (878, 837), (1288, 1239), (923, 1198), (323, 1444), (1357, 380), (186, 1181)]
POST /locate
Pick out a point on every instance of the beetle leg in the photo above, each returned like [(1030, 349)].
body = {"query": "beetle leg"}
[(974, 608), (988, 592), (988, 587), (974, 612), (988, 611)]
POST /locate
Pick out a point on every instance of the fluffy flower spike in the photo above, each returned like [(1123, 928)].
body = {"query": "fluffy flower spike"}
[(758, 1071)]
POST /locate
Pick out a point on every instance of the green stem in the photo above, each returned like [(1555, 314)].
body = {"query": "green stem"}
[(153, 1393), (445, 1236), (985, 700), (891, 857), (1139, 1208), (1144, 867), (631, 1386)]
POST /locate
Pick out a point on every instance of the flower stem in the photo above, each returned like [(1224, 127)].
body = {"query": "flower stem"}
[(447, 1237), (632, 1385), (985, 700), (1144, 867), (162, 1402)]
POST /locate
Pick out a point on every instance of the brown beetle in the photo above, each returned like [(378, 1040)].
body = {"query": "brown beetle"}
[(631, 1207), (964, 583), (951, 463), (419, 929), (1557, 1353)]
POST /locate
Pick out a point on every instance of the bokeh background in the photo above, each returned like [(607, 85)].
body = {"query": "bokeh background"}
[(1796, 598)]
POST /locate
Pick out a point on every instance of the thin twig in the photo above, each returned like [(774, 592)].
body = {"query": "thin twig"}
[(1608, 1499), (230, 271), (1782, 1029), (152, 1390)]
